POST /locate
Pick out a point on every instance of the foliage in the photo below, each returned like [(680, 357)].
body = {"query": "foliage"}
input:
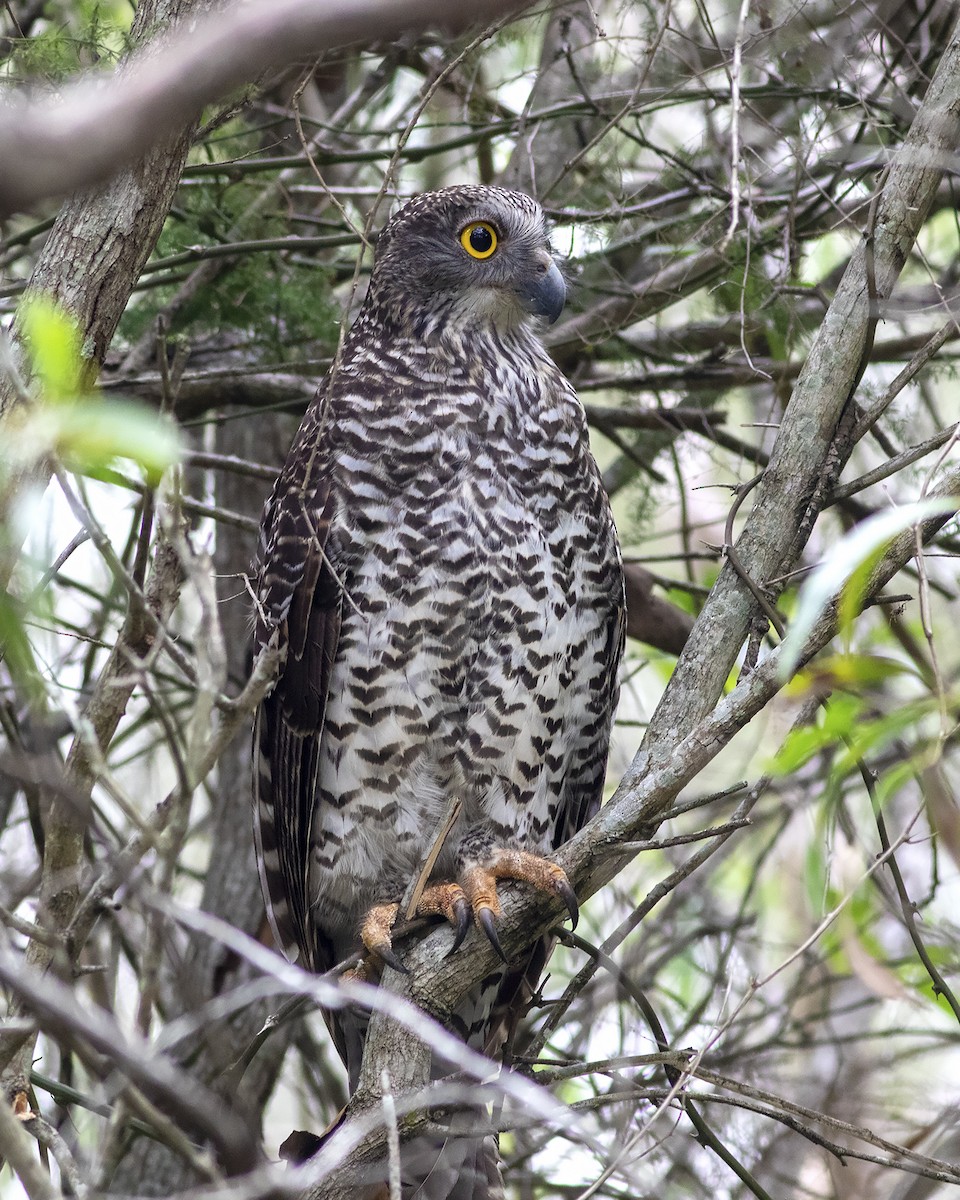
[(74, 35), (280, 297), (69, 421)]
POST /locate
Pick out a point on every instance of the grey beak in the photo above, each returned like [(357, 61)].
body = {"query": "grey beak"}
[(544, 294)]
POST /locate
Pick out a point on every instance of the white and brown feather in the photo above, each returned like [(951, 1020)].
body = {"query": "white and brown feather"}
[(440, 560)]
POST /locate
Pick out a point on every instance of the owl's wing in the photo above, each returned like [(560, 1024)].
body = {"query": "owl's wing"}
[(299, 599), (584, 791)]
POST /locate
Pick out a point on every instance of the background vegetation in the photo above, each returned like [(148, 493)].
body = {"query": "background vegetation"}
[(763, 1001)]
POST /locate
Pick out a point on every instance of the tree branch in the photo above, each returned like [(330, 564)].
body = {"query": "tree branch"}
[(96, 126), (790, 493), (437, 983)]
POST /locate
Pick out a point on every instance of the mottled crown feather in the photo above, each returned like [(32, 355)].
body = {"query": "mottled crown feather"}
[(456, 204)]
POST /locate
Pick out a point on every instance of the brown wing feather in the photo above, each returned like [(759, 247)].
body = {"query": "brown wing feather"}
[(299, 597)]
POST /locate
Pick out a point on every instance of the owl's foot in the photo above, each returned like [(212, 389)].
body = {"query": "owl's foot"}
[(439, 900), (475, 893), (447, 900), (375, 930), (479, 883)]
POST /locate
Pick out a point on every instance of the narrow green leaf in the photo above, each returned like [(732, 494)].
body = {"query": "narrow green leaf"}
[(861, 548)]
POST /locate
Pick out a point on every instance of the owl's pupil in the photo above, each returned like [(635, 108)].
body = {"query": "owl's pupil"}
[(481, 239)]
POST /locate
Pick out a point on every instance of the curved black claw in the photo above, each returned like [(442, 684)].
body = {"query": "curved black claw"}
[(391, 959), (569, 897), (462, 910), (488, 923)]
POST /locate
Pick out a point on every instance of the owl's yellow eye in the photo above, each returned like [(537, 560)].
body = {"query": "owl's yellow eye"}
[(479, 239)]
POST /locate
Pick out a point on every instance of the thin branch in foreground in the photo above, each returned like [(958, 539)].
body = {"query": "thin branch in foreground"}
[(64, 1018), (53, 1141), (705, 1135), (19, 1151)]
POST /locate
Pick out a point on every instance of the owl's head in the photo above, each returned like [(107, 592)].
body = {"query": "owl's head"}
[(469, 254)]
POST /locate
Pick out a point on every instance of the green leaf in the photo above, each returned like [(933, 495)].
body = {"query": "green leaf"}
[(92, 433), (849, 565), (854, 672), (54, 344), (17, 651), (835, 721), (87, 432), (873, 736), (88, 435)]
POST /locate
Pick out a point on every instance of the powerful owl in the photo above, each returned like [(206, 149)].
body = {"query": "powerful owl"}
[(439, 561)]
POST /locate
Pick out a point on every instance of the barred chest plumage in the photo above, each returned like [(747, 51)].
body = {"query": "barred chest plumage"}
[(482, 581), (439, 570)]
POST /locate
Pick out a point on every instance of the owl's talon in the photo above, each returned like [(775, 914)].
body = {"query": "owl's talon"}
[(388, 956), (569, 897), (474, 895), (488, 923), (461, 911), (480, 885), (375, 934), (447, 900)]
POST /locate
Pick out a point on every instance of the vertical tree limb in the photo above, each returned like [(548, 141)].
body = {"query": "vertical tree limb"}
[(784, 504), (101, 240)]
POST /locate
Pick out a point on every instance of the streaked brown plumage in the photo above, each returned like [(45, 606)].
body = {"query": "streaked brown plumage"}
[(439, 558)]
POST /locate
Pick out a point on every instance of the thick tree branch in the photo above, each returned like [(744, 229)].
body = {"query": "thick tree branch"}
[(99, 243), (97, 126), (651, 618), (769, 544), (437, 983)]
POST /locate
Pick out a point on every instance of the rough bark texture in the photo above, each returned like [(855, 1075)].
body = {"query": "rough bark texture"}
[(100, 241), (89, 264)]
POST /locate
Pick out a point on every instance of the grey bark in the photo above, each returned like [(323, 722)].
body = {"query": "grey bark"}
[(785, 506), (101, 240)]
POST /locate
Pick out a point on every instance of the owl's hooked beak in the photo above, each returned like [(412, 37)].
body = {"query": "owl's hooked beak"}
[(544, 293)]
